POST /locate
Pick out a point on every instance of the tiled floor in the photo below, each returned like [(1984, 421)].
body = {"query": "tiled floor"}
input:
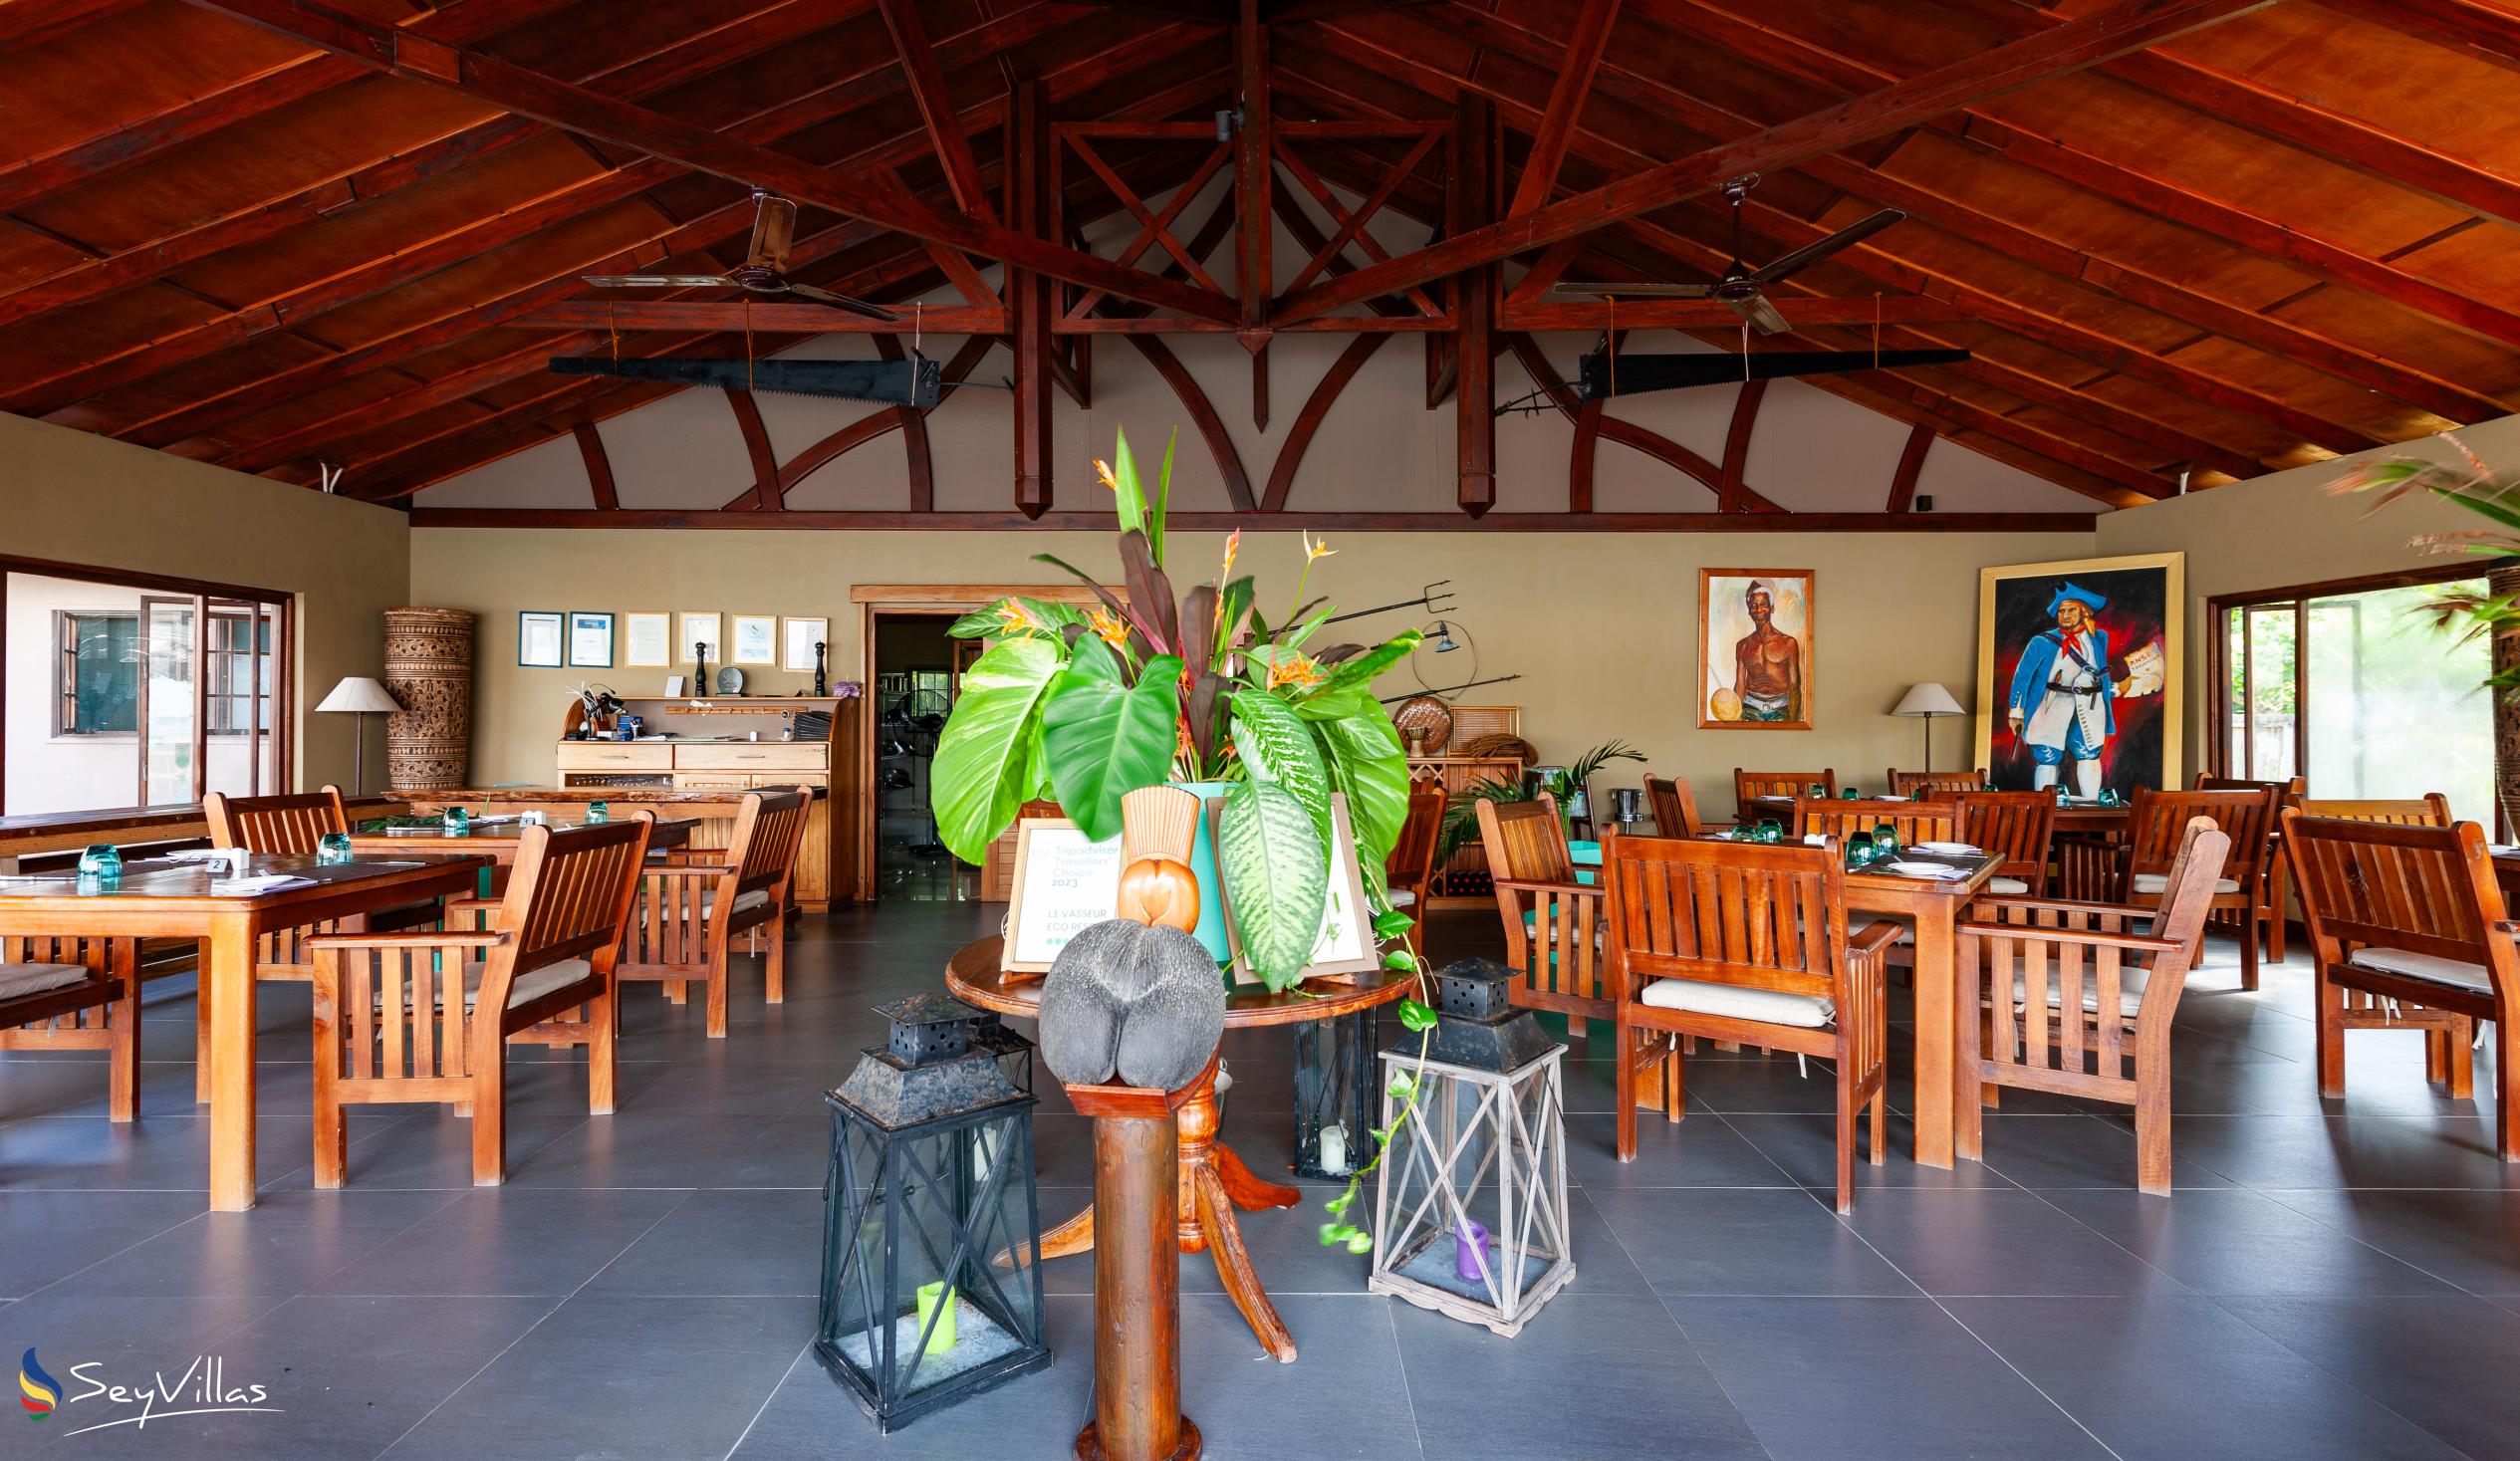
[(2328, 1281)]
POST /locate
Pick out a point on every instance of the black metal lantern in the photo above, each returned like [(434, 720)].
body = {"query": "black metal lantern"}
[(1335, 1090), (931, 1180)]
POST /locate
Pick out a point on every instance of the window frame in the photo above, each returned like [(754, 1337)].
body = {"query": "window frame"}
[(207, 597), (2218, 610)]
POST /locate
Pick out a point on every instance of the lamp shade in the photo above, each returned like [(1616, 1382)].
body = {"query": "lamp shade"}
[(358, 695), (1927, 699)]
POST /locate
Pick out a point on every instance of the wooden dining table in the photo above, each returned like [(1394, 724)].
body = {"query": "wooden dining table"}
[(166, 899), (1934, 906), (497, 840)]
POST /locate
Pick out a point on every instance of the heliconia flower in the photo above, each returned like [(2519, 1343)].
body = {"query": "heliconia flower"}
[(1301, 671), (1314, 550), (1106, 624), (1233, 544), (1103, 469), (1015, 615)]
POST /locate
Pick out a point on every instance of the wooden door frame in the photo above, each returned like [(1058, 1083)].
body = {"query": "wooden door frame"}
[(917, 601)]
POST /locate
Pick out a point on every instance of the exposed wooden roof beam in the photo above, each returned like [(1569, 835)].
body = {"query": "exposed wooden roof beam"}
[(2484, 30), (927, 91), (1218, 522), (24, 23), (2077, 44), (1566, 104), (787, 317), (526, 92)]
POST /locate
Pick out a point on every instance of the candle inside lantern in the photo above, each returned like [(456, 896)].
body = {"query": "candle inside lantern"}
[(1469, 1252), (931, 1298), (1333, 1149)]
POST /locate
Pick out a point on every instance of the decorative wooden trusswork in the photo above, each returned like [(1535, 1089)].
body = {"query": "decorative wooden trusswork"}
[(2138, 317), (428, 667)]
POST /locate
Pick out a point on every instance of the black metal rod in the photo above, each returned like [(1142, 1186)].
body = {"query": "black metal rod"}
[(1427, 600), (1454, 689)]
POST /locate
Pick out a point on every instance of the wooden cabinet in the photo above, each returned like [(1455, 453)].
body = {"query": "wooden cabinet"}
[(752, 756), (600, 756)]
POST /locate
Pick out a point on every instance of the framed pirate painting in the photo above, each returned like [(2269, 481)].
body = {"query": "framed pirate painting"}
[(2081, 671)]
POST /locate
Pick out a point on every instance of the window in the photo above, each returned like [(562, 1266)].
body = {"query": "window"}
[(2353, 687), (125, 690)]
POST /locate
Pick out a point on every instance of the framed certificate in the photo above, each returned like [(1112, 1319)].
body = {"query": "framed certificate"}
[(1063, 886), (590, 640), (756, 639), (802, 635), (699, 630), (538, 639), (648, 639)]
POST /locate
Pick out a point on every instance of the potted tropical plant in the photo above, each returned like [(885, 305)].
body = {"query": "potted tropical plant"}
[(1199, 689)]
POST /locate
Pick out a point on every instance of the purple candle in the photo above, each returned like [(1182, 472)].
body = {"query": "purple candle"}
[(1469, 1252)]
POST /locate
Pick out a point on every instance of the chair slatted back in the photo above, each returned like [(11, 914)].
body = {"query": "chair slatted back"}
[(2157, 825), (275, 826), (1915, 821), (2062, 1010), (1920, 783), (1758, 916), (1411, 865), (2429, 810), (1525, 841), (569, 895), (1675, 805), (1555, 951), (769, 830), (1750, 785), (2427, 890), (2017, 827), (2286, 792)]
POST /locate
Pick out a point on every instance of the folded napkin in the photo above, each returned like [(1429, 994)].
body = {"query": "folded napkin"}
[(1815, 838), (246, 887), (1928, 870), (204, 855), (2503, 850)]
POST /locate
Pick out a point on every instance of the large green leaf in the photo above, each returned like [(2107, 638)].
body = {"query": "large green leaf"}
[(1361, 671), (979, 776), (1103, 739), (1276, 879), (1368, 763), (1276, 747)]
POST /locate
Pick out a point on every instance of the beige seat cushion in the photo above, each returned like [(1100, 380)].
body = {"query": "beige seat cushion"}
[(529, 986), (1402, 898), (17, 979), (2153, 882), (2457, 973), (2131, 979), (2007, 888), (709, 902), (1732, 1001)]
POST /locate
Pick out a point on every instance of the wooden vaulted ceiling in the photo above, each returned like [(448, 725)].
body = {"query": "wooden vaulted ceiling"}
[(2283, 234)]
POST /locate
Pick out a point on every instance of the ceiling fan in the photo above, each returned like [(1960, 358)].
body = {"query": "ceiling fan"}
[(1742, 290), (764, 270)]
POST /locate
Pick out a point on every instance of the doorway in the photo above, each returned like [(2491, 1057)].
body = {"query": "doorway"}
[(917, 675)]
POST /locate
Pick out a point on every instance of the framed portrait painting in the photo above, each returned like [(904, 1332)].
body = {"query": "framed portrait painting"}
[(2080, 671), (1755, 648)]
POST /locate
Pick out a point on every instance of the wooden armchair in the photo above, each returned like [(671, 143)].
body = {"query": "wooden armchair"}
[(1922, 783), (2412, 914), (2064, 985), (689, 915), (2287, 794), (423, 1015), (2429, 810), (1915, 821), (1410, 870), (2017, 827), (1552, 923), (278, 827), (2449, 1055), (1749, 785), (65, 993), (1675, 808), (1742, 942), (2157, 829)]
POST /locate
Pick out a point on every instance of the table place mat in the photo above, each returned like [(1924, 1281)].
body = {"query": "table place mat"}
[(1941, 871), (263, 882)]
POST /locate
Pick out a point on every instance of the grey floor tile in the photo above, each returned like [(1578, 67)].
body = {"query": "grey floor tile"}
[(641, 1152), (46, 1236), (1340, 1399), (2312, 1150), (1881, 1379), (732, 1244), (1806, 1147), (669, 1379), (1701, 1150), (1778, 1242), (1997, 1241), (2082, 1150), (504, 1241), (2183, 1378), (2240, 1242), (2444, 1363), (2468, 1239), (289, 1240)]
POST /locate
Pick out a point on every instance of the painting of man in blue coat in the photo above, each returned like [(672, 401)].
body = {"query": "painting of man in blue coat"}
[(2063, 705)]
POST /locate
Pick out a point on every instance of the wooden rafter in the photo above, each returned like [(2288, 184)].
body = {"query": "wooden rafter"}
[(1912, 462), (927, 90), (1566, 104), (1219, 522), (598, 467)]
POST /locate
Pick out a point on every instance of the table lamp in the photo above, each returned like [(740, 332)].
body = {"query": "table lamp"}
[(360, 696), (1928, 702)]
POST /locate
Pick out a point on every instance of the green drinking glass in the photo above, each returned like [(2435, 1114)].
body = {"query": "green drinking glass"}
[(597, 813), (1771, 830), (1860, 849), (1851, 793), (333, 847), (1885, 842), (458, 821)]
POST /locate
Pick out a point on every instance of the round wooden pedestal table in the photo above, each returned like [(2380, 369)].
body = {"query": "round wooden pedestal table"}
[(1210, 1181)]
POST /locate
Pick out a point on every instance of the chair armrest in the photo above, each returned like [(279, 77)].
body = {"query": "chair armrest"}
[(1877, 936), (2057, 905), (2087, 938), (687, 869), (1576, 890), (416, 939)]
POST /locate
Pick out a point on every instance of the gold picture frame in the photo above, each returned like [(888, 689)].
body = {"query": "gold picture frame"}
[(1729, 638), (2143, 623)]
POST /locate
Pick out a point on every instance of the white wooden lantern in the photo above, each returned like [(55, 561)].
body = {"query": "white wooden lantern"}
[(1470, 1208)]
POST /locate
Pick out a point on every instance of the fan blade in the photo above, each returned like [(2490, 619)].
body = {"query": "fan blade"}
[(840, 302), (654, 280), (1637, 290), (1812, 253), (773, 225), (1763, 316)]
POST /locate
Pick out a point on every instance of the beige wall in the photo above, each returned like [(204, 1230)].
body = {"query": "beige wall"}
[(2286, 529), (1599, 626), (74, 498)]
